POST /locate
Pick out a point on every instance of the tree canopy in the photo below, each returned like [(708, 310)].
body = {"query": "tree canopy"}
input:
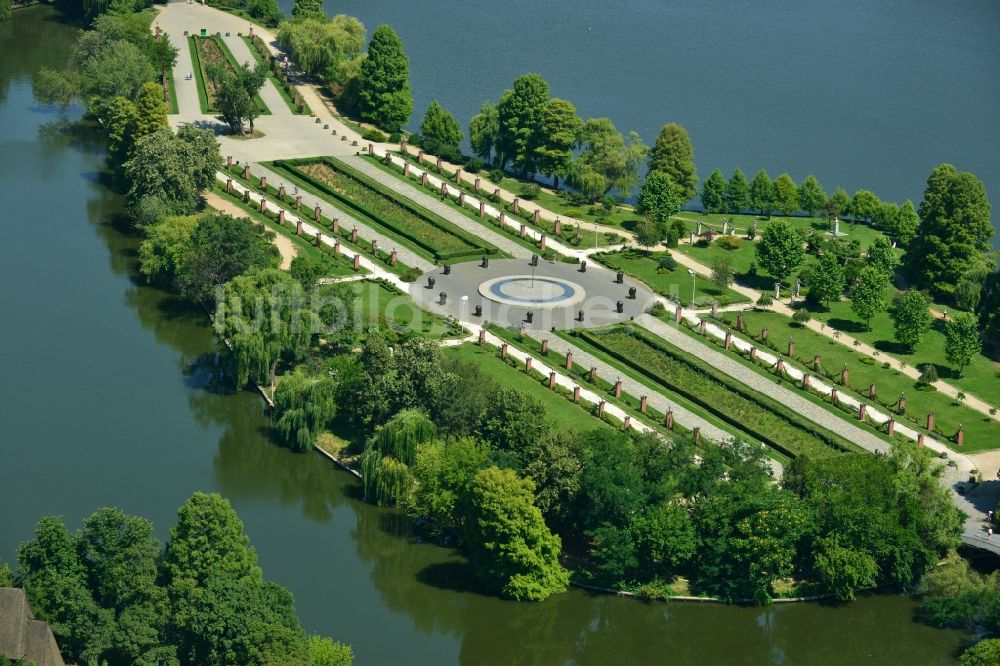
[(440, 131), (780, 249), (673, 154), (519, 119), (385, 81), (607, 161)]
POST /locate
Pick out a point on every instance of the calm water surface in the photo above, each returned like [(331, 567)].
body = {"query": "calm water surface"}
[(862, 94), (111, 398)]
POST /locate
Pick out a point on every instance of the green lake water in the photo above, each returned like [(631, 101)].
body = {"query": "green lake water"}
[(112, 397)]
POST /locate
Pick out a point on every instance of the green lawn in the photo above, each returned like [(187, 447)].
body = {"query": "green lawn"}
[(981, 378), (172, 91), (981, 432), (675, 283), (561, 413), (381, 304), (212, 50)]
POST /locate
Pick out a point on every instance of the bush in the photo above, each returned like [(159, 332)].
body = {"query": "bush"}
[(395, 137), (765, 299), (496, 175), (531, 190), (801, 316), (667, 262), (374, 135), (410, 275), (658, 309), (608, 203), (474, 164), (729, 242), (928, 374)]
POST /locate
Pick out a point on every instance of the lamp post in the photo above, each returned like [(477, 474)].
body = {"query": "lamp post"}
[(694, 281)]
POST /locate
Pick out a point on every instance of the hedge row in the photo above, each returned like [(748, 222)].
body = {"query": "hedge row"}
[(768, 412)]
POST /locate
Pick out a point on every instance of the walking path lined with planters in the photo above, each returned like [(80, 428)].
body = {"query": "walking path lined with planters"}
[(310, 201), (309, 229), (840, 337)]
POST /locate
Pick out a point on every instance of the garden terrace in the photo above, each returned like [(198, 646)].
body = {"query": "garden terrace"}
[(764, 418), (981, 432), (405, 221), (674, 282), (363, 245), (209, 52), (568, 228), (383, 304)]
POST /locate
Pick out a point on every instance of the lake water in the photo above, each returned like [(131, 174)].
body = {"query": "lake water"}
[(111, 398), (862, 94)]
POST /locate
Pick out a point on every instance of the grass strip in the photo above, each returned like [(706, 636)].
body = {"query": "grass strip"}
[(764, 418), (172, 91), (644, 266), (199, 74), (568, 230), (400, 219), (469, 213)]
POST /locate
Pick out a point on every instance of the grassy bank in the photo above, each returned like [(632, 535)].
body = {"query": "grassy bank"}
[(674, 283)]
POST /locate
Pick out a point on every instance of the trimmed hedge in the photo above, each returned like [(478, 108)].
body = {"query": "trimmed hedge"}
[(477, 247), (773, 418)]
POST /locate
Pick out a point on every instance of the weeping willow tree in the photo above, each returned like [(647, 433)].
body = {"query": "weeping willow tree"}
[(385, 467), (387, 481), (400, 436), (263, 315), (305, 405)]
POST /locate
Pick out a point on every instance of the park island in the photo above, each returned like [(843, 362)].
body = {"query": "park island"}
[(340, 378)]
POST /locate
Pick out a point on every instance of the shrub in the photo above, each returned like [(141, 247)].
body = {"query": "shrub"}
[(658, 309), (496, 175), (928, 374), (395, 137), (531, 190), (765, 299), (667, 262), (411, 274), (474, 164), (729, 242), (801, 316), (373, 134), (608, 203)]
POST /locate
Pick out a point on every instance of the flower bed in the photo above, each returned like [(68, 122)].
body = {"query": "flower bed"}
[(438, 237), (758, 415)]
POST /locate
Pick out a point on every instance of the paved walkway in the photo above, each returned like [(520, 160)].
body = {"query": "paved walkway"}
[(272, 98), (309, 202)]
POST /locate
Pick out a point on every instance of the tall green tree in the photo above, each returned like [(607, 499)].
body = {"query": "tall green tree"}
[(484, 131), (237, 94), (868, 294), (519, 117), (907, 223), (780, 250), (864, 206), (882, 255), (737, 192), (263, 315), (121, 123), (673, 154), (166, 247), (786, 195), (327, 50), (5, 10), (304, 406), (827, 280), (162, 54), (513, 421), (608, 160), (962, 341), (811, 196), (839, 203), (911, 318), (220, 248), (557, 135), (762, 193), (713, 192), (308, 9), (510, 548), (658, 199), (440, 130), (150, 112), (954, 232), (385, 81)]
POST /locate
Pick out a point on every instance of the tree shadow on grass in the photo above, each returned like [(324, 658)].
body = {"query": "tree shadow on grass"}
[(891, 347), (758, 282), (847, 325), (454, 576)]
